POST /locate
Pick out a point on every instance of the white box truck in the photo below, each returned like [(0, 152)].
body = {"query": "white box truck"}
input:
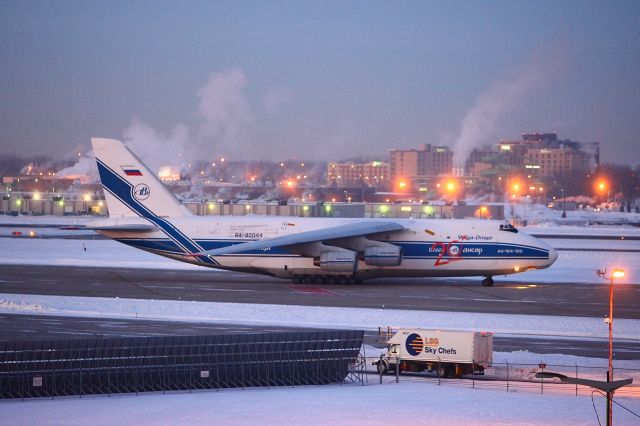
[(448, 353)]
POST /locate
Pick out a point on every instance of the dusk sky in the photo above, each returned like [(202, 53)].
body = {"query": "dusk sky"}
[(317, 80)]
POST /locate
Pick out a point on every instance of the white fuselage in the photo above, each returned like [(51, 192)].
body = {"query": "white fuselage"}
[(430, 248)]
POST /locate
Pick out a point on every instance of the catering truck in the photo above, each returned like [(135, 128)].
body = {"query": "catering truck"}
[(447, 353)]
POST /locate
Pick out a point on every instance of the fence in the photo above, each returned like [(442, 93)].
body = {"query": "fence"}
[(521, 377), (141, 364)]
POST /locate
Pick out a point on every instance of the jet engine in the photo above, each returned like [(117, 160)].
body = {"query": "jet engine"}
[(338, 261), (387, 255)]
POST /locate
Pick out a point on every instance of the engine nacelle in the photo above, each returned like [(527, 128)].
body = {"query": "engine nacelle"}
[(338, 261), (389, 255)]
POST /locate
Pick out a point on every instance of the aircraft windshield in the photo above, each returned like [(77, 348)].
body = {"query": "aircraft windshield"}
[(509, 228)]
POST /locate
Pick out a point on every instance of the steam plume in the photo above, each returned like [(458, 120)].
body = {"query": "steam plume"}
[(503, 97)]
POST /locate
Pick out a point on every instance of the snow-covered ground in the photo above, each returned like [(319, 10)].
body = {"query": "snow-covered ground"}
[(61, 252), (408, 402), (524, 209)]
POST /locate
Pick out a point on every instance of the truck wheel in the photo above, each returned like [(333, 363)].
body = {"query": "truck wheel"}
[(382, 367), (451, 372)]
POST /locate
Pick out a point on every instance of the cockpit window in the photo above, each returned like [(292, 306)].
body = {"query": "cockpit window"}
[(509, 228)]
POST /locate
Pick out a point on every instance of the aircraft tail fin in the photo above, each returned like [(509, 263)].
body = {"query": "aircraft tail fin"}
[(130, 189)]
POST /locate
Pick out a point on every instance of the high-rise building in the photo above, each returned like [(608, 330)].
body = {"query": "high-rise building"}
[(425, 162)]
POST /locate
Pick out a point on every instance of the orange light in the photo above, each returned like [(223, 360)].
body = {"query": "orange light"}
[(617, 273), (601, 186), (482, 212), (516, 187), (451, 186)]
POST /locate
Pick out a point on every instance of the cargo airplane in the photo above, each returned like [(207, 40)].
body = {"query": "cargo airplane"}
[(144, 214)]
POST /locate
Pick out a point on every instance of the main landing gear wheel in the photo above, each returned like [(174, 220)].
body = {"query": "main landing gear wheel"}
[(326, 279), (487, 282)]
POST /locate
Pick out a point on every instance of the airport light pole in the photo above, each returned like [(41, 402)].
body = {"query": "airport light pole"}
[(616, 273), (564, 205), (609, 386)]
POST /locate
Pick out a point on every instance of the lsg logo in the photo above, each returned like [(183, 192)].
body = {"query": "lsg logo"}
[(141, 191)]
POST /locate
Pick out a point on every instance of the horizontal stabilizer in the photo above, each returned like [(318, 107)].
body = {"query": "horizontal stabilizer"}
[(317, 235), (142, 227)]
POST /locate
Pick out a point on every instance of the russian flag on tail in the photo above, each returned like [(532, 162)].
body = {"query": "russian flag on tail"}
[(131, 171)]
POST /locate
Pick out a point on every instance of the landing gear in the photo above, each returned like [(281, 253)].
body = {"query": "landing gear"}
[(326, 279), (487, 282)]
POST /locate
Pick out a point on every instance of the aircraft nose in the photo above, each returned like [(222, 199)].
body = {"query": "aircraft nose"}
[(553, 255)]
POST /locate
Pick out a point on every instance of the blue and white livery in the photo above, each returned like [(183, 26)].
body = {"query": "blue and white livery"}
[(144, 214)]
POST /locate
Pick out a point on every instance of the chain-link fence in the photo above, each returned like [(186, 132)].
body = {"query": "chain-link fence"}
[(521, 377), (142, 364)]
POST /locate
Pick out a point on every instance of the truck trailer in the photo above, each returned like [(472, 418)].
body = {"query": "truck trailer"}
[(448, 353)]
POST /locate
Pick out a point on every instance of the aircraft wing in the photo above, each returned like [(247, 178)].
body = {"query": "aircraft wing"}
[(317, 235)]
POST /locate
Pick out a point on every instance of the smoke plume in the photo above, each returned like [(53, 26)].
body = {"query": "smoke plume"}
[(225, 112), (504, 97), (84, 169), (156, 148)]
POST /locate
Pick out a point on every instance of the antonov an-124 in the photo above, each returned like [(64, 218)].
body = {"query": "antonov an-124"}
[(144, 214)]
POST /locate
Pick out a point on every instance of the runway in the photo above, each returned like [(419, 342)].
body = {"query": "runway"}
[(512, 297), (506, 297), (43, 327)]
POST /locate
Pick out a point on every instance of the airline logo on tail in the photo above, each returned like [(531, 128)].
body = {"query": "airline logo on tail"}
[(141, 191)]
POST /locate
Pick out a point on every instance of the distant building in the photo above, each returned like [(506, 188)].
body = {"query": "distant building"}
[(558, 161), (351, 174), (540, 154), (419, 164)]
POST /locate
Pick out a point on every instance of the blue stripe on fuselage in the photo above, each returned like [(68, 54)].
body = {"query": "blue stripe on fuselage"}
[(411, 250)]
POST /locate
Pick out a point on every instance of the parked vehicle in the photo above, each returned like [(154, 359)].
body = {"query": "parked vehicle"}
[(448, 353)]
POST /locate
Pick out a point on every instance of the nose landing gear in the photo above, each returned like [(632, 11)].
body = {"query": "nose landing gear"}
[(487, 282)]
